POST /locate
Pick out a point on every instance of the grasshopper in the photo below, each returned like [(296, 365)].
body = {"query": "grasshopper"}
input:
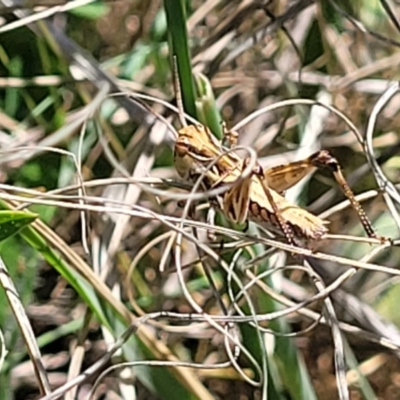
[(259, 196)]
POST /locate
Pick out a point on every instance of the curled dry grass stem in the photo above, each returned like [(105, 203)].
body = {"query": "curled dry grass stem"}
[(272, 315), (305, 312), (388, 189), (293, 102), (143, 251), (130, 364), (225, 331), (93, 369), (309, 271), (233, 339), (292, 307), (137, 211)]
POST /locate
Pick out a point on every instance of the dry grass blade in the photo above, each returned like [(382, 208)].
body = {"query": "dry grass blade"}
[(25, 327)]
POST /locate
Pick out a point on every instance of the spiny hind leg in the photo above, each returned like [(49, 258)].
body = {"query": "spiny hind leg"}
[(283, 224), (324, 159), (236, 201)]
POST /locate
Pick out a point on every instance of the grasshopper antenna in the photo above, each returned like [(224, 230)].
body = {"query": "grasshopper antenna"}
[(178, 93)]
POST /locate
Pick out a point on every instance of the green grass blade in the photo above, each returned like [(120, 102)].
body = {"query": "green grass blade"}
[(12, 221), (207, 110), (86, 291), (176, 22)]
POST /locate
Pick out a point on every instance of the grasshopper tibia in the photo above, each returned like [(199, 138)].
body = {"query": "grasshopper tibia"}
[(284, 226), (237, 201), (323, 159)]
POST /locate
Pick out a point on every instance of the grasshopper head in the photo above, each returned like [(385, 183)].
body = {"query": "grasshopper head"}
[(195, 148)]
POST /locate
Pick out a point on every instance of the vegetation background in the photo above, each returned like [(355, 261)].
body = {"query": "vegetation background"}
[(111, 299)]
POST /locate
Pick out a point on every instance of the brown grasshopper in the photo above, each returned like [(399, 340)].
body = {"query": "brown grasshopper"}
[(258, 197)]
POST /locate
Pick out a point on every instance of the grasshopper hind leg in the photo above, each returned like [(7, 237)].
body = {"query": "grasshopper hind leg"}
[(324, 159), (281, 178), (281, 222)]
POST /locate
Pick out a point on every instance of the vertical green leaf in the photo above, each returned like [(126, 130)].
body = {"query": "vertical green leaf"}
[(178, 36)]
